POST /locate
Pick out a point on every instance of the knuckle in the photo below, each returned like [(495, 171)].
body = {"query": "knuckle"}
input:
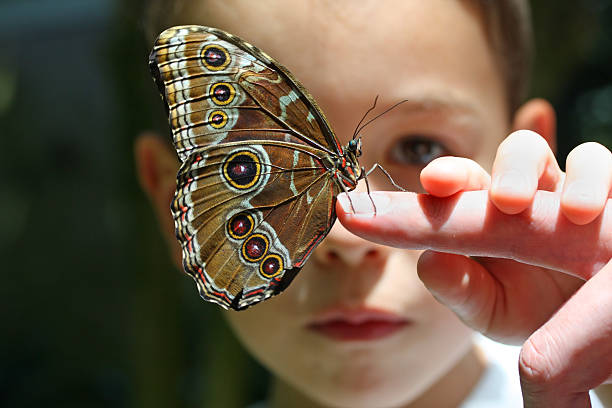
[(523, 141)]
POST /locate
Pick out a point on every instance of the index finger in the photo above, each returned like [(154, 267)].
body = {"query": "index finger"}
[(469, 224)]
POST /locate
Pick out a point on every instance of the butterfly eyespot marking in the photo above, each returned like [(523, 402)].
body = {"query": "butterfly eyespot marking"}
[(240, 225), (217, 119), (215, 57), (242, 170), (271, 266), (222, 93), (255, 247)]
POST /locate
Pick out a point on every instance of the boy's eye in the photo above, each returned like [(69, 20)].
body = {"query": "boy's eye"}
[(416, 151)]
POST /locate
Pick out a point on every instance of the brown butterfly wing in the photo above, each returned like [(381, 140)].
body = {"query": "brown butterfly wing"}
[(201, 71), (255, 193), (244, 232)]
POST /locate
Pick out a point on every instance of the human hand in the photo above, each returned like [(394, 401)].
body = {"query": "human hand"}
[(533, 239)]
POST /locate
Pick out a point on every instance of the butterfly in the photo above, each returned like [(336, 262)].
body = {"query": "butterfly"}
[(260, 165)]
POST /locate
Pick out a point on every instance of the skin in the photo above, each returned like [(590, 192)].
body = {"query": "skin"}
[(457, 107)]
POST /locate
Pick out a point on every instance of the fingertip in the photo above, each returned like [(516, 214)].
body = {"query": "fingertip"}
[(588, 183), (343, 205), (512, 192), (359, 204), (582, 209), (345, 211), (442, 177), (523, 162), (367, 214), (448, 175), (511, 207)]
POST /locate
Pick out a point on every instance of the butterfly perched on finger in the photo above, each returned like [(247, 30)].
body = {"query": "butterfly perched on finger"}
[(260, 165)]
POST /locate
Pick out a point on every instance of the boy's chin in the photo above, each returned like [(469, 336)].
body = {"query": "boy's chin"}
[(380, 373), (366, 393)]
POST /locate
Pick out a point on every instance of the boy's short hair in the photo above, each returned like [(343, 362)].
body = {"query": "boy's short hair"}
[(507, 24)]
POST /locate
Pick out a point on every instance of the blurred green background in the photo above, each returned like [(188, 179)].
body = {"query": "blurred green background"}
[(93, 314)]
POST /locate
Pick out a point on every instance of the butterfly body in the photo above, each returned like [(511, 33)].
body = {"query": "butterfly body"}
[(260, 165)]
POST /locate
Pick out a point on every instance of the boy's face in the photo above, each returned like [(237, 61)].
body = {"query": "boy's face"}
[(435, 54)]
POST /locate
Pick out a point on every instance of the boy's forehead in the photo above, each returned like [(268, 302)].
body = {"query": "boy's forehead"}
[(325, 22), (395, 48), (328, 33)]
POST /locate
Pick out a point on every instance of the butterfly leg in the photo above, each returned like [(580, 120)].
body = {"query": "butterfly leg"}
[(365, 177), (348, 195), (386, 174)]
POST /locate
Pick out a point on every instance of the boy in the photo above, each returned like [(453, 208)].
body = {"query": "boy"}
[(356, 327)]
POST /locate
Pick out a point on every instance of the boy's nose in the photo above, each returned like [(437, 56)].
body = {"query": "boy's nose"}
[(340, 247)]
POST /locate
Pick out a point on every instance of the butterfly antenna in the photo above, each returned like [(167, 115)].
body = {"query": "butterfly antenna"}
[(377, 116), (365, 116)]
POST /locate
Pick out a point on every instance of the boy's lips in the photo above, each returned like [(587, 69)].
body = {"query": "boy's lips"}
[(361, 324)]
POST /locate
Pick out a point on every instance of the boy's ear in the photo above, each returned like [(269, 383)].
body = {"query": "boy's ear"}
[(539, 116), (157, 165)]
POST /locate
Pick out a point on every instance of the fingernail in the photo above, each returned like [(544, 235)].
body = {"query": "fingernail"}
[(580, 193), (511, 182), (364, 204)]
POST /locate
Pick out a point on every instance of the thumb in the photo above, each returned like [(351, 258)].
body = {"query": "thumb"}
[(572, 352)]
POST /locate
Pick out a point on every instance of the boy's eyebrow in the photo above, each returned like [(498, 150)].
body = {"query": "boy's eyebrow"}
[(428, 102), (454, 107)]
